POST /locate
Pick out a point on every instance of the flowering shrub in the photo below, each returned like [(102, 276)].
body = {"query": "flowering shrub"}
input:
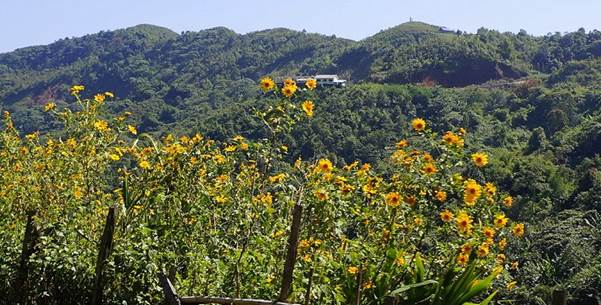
[(215, 215)]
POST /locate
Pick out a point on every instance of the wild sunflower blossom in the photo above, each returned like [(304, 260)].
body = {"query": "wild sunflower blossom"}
[(471, 192), (483, 250), (132, 129), (452, 139), (324, 166), (488, 232), (311, 84), (402, 144), (321, 195), (49, 106), (441, 196), (308, 108), (393, 199), (464, 223), (101, 125), (446, 216), (289, 91), (463, 259), (99, 98), (76, 89), (418, 124), (508, 201), (500, 220), (518, 230), (289, 82), (480, 159), (267, 84), (429, 168)]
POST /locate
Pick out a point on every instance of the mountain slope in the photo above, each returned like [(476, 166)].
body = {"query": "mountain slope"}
[(166, 78)]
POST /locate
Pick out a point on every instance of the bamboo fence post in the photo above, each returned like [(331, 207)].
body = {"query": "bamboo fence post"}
[(292, 252), (30, 240), (170, 294), (358, 289), (560, 297)]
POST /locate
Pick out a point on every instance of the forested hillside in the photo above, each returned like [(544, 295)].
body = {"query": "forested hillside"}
[(532, 102)]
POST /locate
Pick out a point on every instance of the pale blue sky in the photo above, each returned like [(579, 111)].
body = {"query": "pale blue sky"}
[(32, 22)]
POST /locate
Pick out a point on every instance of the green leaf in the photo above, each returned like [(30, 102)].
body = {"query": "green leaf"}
[(412, 286)]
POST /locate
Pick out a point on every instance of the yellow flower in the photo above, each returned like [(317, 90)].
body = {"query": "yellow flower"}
[(220, 199), (267, 84), (175, 149), (490, 189), (321, 195), (265, 199), (367, 285), (109, 94), (518, 230), (352, 270), (32, 136), (101, 125), (143, 164), (441, 196), (77, 193), (277, 178), (288, 91), (399, 260), (500, 220), (501, 258), (464, 223), (303, 244), (466, 249), (402, 143), (308, 108), (418, 221), (307, 258), (132, 129), (428, 157), (502, 244), (393, 199), (71, 143), (511, 285), (324, 166), (483, 250), (230, 148), (480, 159), (508, 201), (430, 168), (463, 259), (418, 124), (76, 89), (289, 82), (311, 84), (114, 157), (450, 138), (488, 232), (515, 265), (462, 131), (298, 163), (446, 216), (99, 97), (49, 106), (471, 192)]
